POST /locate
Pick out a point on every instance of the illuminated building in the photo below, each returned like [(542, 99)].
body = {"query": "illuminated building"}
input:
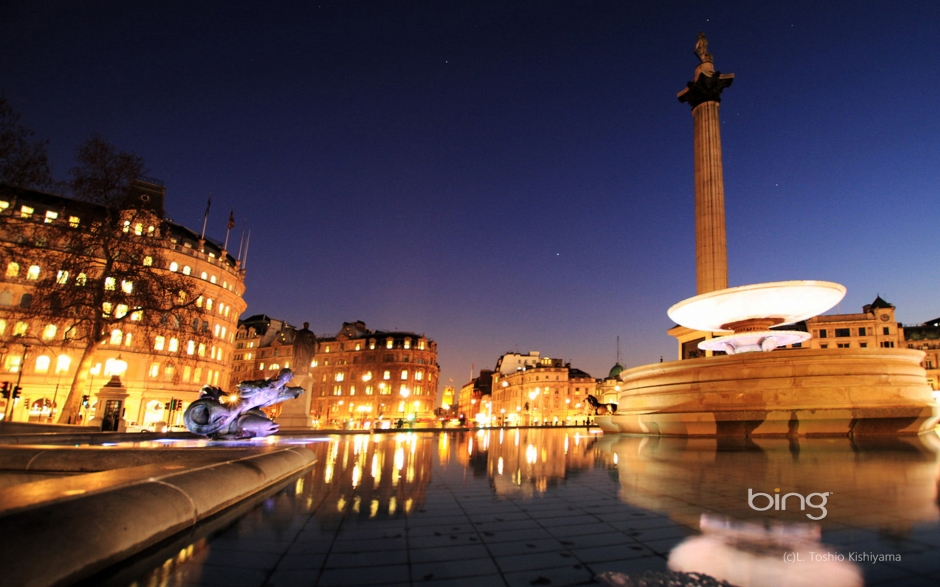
[(474, 400), (361, 376), (160, 369), (263, 346), (546, 391)]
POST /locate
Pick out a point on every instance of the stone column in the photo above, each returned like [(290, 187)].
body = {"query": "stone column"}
[(704, 96)]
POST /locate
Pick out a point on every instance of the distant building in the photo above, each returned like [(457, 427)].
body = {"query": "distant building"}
[(474, 398), (263, 346), (535, 390), (363, 376)]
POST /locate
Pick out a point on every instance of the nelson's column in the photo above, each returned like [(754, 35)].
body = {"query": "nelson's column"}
[(703, 94)]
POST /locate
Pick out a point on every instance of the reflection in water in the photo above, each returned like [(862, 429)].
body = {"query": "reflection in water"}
[(753, 555), (889, 484), (525, 461)]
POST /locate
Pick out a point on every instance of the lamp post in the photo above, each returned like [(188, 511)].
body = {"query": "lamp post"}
[(8, 415)]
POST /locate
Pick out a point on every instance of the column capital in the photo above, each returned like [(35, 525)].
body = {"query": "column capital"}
[(707, 87)]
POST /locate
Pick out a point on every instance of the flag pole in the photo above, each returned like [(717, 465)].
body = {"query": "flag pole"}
[(229, 227), (206, 217)]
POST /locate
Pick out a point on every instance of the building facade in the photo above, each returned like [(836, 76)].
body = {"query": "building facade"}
[(545, 391), (371, 378), (164, 369)]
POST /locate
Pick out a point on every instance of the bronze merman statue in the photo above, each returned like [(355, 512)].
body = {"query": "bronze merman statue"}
[(222, 416)]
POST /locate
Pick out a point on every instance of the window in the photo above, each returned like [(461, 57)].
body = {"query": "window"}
[(190, 347), (862, 331), (13, 269), (209, 304), (187, 270), (822, 334), (864, 345), (116, 336), (419, 375), (33, 272), (49, 331), (62, 277), (843, 332), (389, 343), (73, 221), (174, 345), (158, 343), (138, 229), (887, 344), (26, 300), (339, 376), (387, 375), (886, 330), (174, 266), (326, 349), (51, 216), (109, 283), (337, 390), (407, 343), (404, 374), (420, 345), (204, 275), (62, 364), (358, 346), (148, 261), (371, 344), (842, 345), (26, 212), (81, 279), (42, 363), (824, 346), (127, 286)]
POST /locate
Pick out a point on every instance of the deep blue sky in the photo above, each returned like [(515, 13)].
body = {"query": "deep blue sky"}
[(509, 175)]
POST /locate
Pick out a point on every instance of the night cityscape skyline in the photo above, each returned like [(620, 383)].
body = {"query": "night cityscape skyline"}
[(507, 177)]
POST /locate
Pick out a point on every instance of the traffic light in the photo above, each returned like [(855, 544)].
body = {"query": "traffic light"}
[(179, 404), (16, 392), (5, 390), (166, 406)]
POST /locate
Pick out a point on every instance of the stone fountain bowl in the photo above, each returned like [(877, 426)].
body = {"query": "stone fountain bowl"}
[(779, 302)]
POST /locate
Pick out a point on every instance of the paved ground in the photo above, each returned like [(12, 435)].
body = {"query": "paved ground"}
[(414, 514)]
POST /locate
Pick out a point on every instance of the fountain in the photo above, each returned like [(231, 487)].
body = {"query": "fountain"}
[(742, 392)]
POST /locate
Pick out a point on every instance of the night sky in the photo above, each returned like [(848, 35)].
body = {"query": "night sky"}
[(509, 176)]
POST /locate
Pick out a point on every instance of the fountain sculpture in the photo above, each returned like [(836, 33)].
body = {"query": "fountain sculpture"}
[(224, 416)]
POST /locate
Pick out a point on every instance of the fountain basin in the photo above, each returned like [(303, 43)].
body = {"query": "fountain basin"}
[(767, 304), (798, 392)]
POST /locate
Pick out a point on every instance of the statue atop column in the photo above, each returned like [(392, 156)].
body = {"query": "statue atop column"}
[(701, 49)]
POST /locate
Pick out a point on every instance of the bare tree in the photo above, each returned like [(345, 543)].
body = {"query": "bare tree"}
[(104, 279), (23, 161)]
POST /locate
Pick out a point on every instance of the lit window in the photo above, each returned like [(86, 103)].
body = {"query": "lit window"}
[(51, 216), (127, 286), (187, 373), (204, 275), (13, 269), (62, 277), (368, 390), (212, 279), (358, 346), (49, 331), (150, 231), (340, 376), (81, 279), (13, 363), (261, 366), (387, 375), (419, 375), (418, 390), (389, 343), (148, 261), (371, 343), (223, 332), (116, 336), (138, 229), (326, 349), (73, 221), (187, 270), (109, 283), (174, 266), (420, 345), (227, 308), (121, 311), (407, 343), (174, 345), (3, 326), (137, 315), (404, 374), (154, 370), (158, 343), (62, 364), (190, 347), (26, 212), (199, 301), (42, 364), (33, 272), (127, 225), (4, 205), (127, 339), (106, 308), (217, 328), (197, 374), (209, 304), (181, 297)]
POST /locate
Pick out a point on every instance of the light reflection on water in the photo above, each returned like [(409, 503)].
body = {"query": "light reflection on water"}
[(888, 488)]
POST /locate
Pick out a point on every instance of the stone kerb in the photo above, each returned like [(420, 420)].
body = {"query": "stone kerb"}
[(57, 532)]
